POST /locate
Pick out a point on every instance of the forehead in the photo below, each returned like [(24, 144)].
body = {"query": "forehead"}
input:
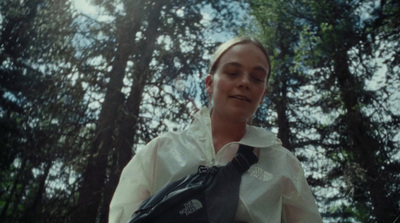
[(246, 54)]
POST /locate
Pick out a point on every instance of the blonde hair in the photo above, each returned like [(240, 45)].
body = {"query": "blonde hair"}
[(229, 44)]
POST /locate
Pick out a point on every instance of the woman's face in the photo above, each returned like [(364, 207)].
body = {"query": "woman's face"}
[(238, 85)]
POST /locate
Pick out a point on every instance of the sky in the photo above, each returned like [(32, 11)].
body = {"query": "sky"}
[(85, 7)]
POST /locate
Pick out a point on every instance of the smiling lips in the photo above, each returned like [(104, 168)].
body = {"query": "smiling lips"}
[(240, 97)]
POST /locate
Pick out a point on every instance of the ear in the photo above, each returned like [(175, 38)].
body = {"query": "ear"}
[(209, 84)]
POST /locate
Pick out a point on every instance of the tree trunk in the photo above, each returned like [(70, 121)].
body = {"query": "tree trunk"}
[(9, 201), (363, 144), (94, 176), (281, 99), (34, 212), (281, 109), (129, 117)]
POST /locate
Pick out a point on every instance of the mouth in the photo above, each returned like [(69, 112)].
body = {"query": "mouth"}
[(240, 97)]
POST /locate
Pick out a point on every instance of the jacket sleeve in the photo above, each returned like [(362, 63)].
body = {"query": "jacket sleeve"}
[(134, 185), (298, 201)]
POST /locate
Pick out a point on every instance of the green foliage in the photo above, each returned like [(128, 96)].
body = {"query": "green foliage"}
[(78, 92), (326, 54)]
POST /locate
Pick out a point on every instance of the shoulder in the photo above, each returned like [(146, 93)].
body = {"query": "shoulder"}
[(272, 153), (281, 163), (167, 144), (162, 140), (260, 138)]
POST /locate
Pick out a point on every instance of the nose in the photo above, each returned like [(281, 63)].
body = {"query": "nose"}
[(244, 81)]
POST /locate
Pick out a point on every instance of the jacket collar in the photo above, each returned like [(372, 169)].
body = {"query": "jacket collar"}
[(255, 136)]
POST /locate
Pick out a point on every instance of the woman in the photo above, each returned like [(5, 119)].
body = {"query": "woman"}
[(272, 190)]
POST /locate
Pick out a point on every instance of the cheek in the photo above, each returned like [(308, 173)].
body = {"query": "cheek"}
[(226, 83), (219, 85), (261, 93)]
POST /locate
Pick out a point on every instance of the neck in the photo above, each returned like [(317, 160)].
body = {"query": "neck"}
[(224, 131)]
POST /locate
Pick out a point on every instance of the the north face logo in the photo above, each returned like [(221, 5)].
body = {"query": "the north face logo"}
[(190, 207)]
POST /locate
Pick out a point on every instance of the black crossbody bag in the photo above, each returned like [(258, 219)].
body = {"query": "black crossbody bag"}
[(210, 195)]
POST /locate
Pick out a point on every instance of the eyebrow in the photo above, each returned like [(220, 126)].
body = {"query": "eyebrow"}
[(236, 64), (260, 68)]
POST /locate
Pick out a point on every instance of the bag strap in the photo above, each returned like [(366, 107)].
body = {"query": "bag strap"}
[(244, 158), (223, 195)]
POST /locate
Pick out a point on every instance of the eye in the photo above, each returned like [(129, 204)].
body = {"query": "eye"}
[(232, 69), (232, 73), (258, 77), (259, 74)]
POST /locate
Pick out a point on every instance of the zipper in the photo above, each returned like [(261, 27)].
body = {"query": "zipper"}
[(212, 162)]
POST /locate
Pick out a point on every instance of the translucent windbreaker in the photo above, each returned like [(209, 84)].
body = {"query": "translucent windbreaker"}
[(272, 190)]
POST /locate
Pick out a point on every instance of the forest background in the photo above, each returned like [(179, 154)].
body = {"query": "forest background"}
[(81, 92)]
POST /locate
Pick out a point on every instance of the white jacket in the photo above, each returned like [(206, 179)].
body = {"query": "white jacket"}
[(272, 190)]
